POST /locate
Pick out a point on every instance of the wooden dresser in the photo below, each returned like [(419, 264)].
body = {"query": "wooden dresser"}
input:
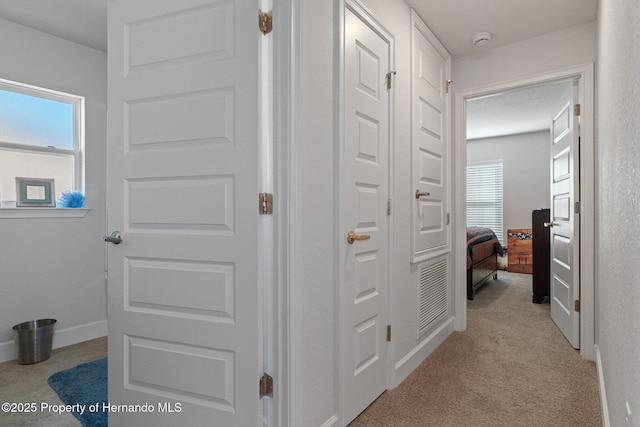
[(541, 255), (520, 250)]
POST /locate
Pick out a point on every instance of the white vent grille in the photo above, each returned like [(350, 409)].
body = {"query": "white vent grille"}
[(432, 294)]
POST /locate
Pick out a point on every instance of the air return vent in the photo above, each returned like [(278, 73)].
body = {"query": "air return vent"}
[(432, 293)]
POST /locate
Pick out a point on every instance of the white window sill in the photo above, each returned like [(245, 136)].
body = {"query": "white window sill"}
[(18, 213)]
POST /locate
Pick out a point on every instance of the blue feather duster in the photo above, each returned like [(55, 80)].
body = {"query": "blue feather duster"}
[(72, 199)]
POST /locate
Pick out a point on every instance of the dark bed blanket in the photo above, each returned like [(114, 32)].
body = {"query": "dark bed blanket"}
[(478, 235)]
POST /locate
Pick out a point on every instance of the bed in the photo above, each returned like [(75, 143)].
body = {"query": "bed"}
[(483, 248)]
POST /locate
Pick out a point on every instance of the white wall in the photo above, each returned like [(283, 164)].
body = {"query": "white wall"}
[(618, 270), (54, 267), (526, 176), (314, 393)]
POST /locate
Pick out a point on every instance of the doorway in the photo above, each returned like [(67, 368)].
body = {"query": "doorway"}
[(584, 74)]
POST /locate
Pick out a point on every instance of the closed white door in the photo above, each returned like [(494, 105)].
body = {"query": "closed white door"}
[(363, 213), (565, 221), (182, 189), (430, 73)]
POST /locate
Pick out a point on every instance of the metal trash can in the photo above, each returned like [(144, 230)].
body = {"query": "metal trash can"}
[(35, 340)]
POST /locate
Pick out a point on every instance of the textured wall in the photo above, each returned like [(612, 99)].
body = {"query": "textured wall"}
[(618, 279)]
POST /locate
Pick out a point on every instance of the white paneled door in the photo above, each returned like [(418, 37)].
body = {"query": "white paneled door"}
[(565, 221), (430, 68), (183, 288), (363, 210)]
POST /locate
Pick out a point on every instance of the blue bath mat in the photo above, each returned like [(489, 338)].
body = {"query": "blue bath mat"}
[(85, 386)]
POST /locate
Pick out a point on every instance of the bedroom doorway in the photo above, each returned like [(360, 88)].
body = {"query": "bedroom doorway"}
[(508, 172), (536, 89)]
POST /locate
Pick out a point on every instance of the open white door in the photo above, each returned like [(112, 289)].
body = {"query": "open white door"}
[(183, 289), (565, 221), (363, 212)]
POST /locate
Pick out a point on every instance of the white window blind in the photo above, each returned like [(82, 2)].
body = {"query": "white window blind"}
[(484, 196)]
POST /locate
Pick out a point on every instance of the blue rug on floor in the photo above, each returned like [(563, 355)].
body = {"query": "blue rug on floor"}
[(85, 386)]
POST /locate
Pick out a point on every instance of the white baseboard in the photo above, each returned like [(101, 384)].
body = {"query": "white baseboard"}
[(415, 357), (61, 338), (603, 395)]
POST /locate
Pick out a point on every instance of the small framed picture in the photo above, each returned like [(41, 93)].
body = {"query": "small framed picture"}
[(35, 192)]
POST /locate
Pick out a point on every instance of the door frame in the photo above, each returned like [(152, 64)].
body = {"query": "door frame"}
[(585, 73), (361, 10)]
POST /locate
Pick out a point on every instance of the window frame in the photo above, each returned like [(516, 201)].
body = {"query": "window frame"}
[(78, 151), (499, 233)]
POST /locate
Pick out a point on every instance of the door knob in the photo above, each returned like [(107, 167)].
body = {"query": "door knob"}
[(115, 238), (548, 224), (352, 237), (422, 193)]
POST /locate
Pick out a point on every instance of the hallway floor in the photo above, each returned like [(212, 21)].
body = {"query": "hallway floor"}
[(511, 367)]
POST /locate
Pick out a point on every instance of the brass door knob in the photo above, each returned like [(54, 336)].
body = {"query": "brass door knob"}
[(422, 193), (352, 237)]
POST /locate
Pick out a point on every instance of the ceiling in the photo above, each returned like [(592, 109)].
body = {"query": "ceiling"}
[(516, 111), (453, 21), (81, 21)]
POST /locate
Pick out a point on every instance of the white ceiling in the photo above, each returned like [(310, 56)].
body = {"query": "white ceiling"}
[(456, 21), (81, 21), (453, 21), (516, 111)]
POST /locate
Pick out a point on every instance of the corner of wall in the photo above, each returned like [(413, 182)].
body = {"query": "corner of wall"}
[(601, 385)]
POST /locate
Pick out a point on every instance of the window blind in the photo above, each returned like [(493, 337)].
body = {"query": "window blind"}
[(484, 196)]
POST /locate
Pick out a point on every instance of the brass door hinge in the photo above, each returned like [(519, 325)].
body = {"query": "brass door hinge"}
[(576, 109), (266, 386), (265, 203), (576, 305), (389, 333), (388, 79), (265, 22)]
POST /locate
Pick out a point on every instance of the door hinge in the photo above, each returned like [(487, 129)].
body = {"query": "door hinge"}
[(576, 109), (265, 203), (389, 333), (448, 85), (388, 206), (266, 386), (448, 218), (389, 78), (576, 305), (265, 22), (576, 207)]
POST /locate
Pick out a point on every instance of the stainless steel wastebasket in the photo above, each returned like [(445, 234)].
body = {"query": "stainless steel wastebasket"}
[(35, 340)]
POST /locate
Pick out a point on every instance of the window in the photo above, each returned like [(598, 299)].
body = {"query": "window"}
[(41, 136), (484, 196)]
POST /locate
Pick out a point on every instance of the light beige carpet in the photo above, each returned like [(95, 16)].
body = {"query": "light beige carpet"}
[(511, 367)]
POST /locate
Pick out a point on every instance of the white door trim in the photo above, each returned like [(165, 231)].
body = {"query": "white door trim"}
[(285, 100), (587, 189)]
